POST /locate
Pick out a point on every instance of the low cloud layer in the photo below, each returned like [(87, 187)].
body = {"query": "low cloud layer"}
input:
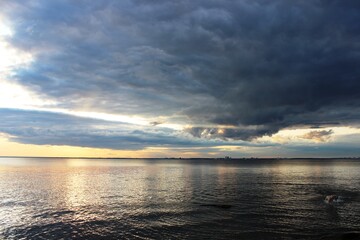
[(44, 128), (254, 66)]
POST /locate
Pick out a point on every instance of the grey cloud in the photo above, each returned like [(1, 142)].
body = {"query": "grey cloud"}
[(268, 64), (246, 134), (45, 128)]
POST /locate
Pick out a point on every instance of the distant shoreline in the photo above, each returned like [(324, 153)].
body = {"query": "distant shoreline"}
[(198, 158)]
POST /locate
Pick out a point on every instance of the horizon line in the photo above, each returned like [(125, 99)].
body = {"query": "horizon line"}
[(189, 158)]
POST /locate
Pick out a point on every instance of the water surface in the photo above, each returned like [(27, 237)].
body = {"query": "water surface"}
[(49, 198)]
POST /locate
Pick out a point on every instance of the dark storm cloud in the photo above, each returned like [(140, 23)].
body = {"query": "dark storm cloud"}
[(258, 65)]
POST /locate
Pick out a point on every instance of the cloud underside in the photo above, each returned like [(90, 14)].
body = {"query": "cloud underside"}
[(44, 128), (254, 66)]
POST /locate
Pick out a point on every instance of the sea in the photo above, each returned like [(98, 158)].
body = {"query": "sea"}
[(68, 198)]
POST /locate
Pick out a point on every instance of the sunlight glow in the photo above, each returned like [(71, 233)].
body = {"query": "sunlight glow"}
[(16, 96), (10, 57), (4, 29), (115, 118), (13, 95), (106, 116)]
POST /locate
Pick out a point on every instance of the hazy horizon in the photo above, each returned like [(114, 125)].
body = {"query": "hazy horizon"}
[(227, 158)]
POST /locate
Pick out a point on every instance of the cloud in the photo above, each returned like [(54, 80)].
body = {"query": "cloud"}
[(257, 66), (318, 136), (245, 134), (155, 123), (46, 128)]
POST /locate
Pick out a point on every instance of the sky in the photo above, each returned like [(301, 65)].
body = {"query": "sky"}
[(199, 78)]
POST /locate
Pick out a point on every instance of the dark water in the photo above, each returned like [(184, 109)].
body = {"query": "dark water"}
[(178, 199)]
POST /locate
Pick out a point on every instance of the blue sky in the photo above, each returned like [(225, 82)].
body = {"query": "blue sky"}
[(185, 78)]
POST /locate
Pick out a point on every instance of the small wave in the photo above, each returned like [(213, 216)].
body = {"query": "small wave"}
[(223, 206), (344, 236), (54, 214), (12, 203)]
